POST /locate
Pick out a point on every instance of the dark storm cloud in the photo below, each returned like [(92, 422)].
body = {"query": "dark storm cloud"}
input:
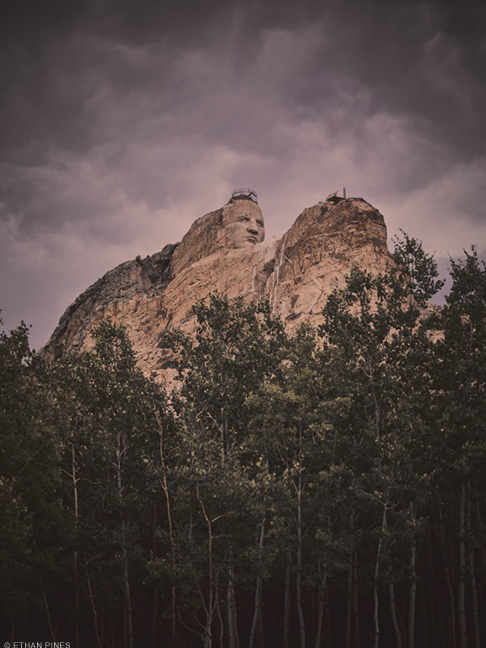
[(125, 121), (421, 57)]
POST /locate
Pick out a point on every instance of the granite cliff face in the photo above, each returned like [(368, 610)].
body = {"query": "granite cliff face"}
[(224, 250)]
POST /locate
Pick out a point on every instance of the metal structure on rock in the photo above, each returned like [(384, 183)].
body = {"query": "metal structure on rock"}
[(245, 193)]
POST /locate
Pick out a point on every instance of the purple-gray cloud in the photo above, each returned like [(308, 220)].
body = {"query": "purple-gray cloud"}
[(123, 122)]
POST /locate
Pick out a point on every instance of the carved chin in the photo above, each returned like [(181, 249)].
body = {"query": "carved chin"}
[(242, 241)]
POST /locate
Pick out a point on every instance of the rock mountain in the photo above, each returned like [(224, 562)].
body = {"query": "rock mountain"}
[(225, 250)]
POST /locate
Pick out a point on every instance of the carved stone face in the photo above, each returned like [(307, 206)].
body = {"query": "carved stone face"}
[(243, 223)]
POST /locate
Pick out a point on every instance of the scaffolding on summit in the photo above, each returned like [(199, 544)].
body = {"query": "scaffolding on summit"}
[(248, 194), (334, 198)]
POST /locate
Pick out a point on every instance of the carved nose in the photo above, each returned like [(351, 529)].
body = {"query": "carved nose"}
[(252, 227)]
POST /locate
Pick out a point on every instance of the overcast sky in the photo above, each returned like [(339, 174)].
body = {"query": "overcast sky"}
[(124, 121)]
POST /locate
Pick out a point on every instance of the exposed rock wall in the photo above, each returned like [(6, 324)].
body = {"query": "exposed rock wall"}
[(296, 272), (319, 250), (127, 283)]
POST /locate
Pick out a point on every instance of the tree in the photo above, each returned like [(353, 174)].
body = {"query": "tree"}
[(34, 528), (418, 270), (236, 348), (460, 390), (375, 326), (110, 414)]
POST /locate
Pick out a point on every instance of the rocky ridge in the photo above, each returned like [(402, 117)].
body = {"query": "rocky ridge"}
[(296, 272)]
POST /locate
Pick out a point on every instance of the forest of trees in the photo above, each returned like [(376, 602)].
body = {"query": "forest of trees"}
[(325, 489)]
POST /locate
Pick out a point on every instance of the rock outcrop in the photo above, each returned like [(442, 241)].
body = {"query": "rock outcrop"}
[(224, 251)]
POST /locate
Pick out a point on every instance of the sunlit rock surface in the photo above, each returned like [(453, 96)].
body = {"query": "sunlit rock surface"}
[(224, 251), (319, 250)]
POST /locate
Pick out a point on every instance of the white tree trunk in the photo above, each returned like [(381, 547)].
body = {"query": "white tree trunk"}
[(210, 607), (393, 610), (349, 601), (375, 586), (126, 583), (92, 601), (413, 590), (320, 617), (76, 576), (257, 615), (165, 488), (286, 618), (355, 600), (462, 568), (474, 589), (232, 620), (299, 564)]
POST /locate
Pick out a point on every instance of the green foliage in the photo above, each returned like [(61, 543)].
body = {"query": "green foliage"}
[(235, 347), (460, 370), (419, 267), (30, 512)]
